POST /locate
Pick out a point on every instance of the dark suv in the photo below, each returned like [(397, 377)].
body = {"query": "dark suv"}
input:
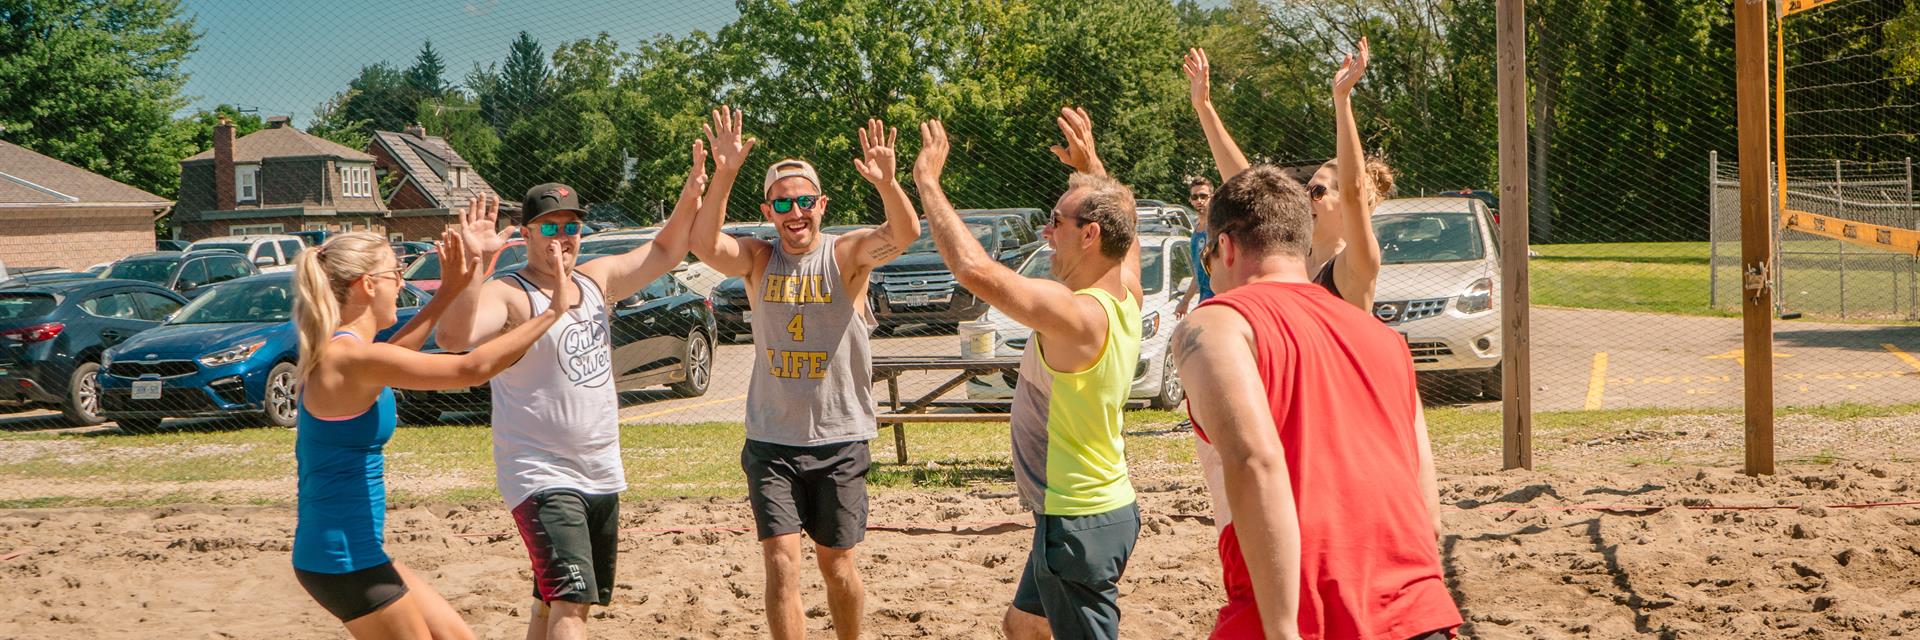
[(52, 335), (188, 273)]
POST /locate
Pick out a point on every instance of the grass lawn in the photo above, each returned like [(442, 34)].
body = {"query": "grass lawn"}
[(454, 464), (1675, 277)]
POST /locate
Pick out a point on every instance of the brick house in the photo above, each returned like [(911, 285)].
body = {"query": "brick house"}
[(276, 180), (53, 214), (428, 182)]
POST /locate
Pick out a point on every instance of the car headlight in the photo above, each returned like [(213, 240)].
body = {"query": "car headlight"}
[(874, 277), (1477, 298), (1149, 325), (106, 360), (231, 355)]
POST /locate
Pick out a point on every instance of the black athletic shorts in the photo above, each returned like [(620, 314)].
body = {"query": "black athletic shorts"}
[(1073, 572), (356, 593), (821, 490), (572, 538)]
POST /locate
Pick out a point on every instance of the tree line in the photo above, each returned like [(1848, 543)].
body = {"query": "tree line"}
[(1628, 96)]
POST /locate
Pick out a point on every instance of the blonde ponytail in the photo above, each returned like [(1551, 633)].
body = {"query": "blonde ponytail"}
[(321, 277)]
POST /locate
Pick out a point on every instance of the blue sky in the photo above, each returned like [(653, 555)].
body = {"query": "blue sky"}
[(285, 58)]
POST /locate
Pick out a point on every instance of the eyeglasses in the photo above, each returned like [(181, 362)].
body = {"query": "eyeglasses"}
[(1207, 252), (784, 205), (1200, 197), (395, 272), (551, 229), (1316, 191), (1054, 220)]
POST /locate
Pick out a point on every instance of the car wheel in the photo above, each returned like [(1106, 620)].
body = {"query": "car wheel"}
[(82, 408), (1171, 393), (698, 366), (1490, 383), (282, 399), (138, 425)]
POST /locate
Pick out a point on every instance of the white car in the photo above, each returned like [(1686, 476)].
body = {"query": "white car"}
[(1165, 271), (269, 252), (1439, 286)]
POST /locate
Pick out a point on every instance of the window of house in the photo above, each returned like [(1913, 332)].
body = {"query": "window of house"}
[(313, 226), (246, 183), (255, 229)]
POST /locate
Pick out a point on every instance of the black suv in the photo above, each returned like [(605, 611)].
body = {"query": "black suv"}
[(52, 335), (188, 273)]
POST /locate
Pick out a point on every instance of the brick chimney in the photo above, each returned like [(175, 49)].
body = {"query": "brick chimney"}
[(278, 122), (223, 189), (417, 131)]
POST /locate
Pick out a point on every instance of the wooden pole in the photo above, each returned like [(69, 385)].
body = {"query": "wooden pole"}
[(1516, 382), (1756, 229)]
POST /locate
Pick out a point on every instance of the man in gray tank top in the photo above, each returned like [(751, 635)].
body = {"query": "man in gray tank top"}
[(810, 409), (556, 412)]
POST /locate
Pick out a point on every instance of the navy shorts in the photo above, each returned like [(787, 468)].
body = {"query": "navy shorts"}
[(1072, 576)]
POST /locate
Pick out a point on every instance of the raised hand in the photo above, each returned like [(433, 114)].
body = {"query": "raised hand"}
[(697, 176), (459, 267), (1199, 86), (877, 162), (566, 294), (477, 229), (1351, 69), (1078, 153), (933, 152), (725, 139)]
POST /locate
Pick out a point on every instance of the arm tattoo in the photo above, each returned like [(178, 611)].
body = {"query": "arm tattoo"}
[(1186, 343), (885, 251)]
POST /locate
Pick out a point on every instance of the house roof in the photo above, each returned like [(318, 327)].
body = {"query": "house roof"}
[(28, 178), (283, 142), (428, 160)]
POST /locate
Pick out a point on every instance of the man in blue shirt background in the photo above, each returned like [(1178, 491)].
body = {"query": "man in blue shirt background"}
[(1199, 193)]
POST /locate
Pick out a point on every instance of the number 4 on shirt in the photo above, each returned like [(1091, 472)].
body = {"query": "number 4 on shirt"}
[(798, 328)]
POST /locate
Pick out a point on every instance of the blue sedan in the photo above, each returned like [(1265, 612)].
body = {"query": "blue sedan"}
[(231, 352)]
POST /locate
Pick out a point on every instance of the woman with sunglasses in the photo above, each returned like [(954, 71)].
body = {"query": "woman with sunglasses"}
[(1344, 191), (345, 292)]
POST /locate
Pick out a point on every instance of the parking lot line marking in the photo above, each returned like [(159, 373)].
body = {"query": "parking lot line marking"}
[(1597, 381), (1907, 357), (684, 407)]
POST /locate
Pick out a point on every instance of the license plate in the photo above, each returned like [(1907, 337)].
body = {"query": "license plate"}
[(146, 389), (915, 299), (746, 316)]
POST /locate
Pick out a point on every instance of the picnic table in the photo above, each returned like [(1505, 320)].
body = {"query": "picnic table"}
[(897, 415)]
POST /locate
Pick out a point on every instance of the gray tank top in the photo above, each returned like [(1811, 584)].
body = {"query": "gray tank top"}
[(813, 375)]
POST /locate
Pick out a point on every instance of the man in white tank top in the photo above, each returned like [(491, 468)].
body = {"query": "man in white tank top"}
[(809, 404), (556, 413)]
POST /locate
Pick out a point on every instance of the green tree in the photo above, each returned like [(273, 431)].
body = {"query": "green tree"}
[(330, 121), (427, 75), (95, 84), (456, 117)]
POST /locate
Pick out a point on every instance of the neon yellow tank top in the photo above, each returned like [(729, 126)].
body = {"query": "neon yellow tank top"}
[(1069, 457)]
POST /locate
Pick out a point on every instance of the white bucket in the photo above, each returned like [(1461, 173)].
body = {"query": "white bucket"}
[(976, 340)]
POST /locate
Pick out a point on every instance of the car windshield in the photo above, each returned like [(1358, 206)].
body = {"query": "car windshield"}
[(268, 300), (1151, 264), (14, 306), (613, 246), (428, 266), (154, 271), (1411, 238), (982, 233), (236, 247)]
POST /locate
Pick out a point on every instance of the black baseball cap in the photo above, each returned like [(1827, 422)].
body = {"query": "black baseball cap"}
[(548, 198)]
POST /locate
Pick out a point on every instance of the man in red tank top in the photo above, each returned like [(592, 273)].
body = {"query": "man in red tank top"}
[(1329, 477)]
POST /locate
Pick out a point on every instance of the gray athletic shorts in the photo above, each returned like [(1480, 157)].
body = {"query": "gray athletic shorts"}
[(1073, 572), (820, 490)]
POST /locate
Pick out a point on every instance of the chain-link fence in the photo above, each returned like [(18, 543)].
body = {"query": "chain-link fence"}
[(1634, 221)]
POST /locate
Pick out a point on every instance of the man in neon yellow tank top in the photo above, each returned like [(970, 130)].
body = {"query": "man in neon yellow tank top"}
[(1068, 455)]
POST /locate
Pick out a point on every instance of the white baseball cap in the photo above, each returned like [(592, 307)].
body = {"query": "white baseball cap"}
[(789, 168)]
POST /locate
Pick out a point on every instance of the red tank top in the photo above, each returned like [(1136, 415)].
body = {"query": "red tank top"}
[(1342, 390)]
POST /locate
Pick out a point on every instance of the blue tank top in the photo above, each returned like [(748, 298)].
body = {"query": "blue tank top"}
[(342, 510)]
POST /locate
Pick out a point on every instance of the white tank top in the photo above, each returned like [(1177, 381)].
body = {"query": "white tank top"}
[(556, 414)]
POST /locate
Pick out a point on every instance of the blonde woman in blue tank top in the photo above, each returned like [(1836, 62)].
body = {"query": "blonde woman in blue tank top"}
[(345, 292)]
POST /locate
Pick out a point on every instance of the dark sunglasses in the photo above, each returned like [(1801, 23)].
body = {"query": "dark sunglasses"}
[(551, 229), (1316, 191), (783, 205), (395, 272), (1054, 220), (1200, 196)]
